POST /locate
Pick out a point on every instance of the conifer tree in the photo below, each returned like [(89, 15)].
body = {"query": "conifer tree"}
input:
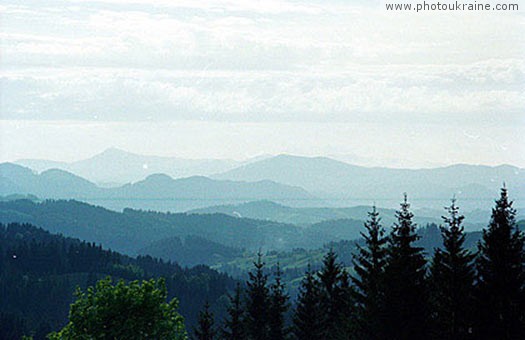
[(334, 286), (369, 266), (234, 324), (308, 317), (278, 308), (346, 322), (205, 329), (501, 277), (406, 307), (257, 303), (452, 281)]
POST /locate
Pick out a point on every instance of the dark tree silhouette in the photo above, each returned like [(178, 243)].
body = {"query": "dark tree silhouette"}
[(308, 317), (346, 323), (334, 302), (278, 307), (369, 266), (205, 329), (501, 276), (234, 324), (12, 326), (257, 302), (452, 281), (406, 291)]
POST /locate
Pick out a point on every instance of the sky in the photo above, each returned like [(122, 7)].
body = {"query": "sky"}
[(237, 79)]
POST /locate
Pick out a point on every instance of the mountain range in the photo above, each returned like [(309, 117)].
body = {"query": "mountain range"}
[(475, 185), (293, 180), (158, 191), (114, 166)]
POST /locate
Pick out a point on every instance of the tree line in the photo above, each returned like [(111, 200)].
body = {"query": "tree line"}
[(393, 290)]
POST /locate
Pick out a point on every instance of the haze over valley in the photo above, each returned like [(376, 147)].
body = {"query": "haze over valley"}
[(173, 184)]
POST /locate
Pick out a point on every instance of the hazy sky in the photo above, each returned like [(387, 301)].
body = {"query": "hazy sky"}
[(241, 78)]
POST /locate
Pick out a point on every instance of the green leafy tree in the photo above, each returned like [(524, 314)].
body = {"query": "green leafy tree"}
[(406, 314), (501, 276), (308, 318), (234, 324), (452, 280), (123, 311), (205, 328), (278, 307), (369, 266), (257, 302)]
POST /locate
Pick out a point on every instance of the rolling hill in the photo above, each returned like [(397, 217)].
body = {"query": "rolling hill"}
[(268, 210), (133, 230)]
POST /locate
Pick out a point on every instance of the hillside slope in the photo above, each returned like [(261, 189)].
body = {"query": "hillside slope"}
[(40, 271), (131, 230)]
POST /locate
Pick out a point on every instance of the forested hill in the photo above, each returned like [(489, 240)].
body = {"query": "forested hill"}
[(39, 272), (188, 239), (132, 230), (268, 210)]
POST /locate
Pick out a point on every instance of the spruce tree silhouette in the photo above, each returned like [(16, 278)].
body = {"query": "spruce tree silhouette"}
[(501, 276)]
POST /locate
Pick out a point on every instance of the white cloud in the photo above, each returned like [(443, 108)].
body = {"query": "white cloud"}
[(251, 61), (471, 93), (335, 35)]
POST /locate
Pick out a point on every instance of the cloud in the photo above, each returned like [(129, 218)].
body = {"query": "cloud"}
[(277, 61), (487, 92), (242, 35)]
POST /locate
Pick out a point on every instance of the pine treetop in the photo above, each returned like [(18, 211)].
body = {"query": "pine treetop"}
[(278, 307), (205, 327), (234, 323), (452, 280), (501, 274), (308, 317), (257, 302), (369, 266)]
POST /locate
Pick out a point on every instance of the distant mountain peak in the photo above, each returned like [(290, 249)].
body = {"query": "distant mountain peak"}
[(197, 178), (113, 149), (307, 159), (114, 152), (264, 204), (8, 168), (59, 172), (9, 165), (158, 178), (290, 156)]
